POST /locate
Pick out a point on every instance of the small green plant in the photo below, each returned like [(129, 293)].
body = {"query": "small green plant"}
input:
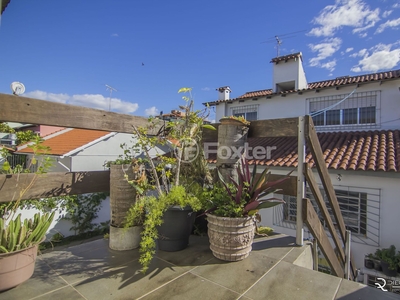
[(154, 211), (57, 237), (264, 231), (246, 196), (237, 118), (137, 213), (18, 235), (389, 256)]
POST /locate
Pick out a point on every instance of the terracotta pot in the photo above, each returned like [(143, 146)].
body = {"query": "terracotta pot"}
[(231, 239), (17, 267)]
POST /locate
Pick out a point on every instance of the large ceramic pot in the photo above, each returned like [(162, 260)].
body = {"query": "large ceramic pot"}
[(175, 231), (231, 239), (125, 238), (17, 267)]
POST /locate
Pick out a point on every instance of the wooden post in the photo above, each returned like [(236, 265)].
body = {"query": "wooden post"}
[(318, 231), (348, 247), (315, 254), (300, 183), (324, 210), (318, 156)]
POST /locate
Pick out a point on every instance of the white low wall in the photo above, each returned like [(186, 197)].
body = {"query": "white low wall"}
[(62, 226)]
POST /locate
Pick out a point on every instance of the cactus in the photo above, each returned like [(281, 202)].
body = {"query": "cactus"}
[(18, 235)]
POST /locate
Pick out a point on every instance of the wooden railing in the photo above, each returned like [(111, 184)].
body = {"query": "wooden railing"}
[(310, 217), (34, 111)]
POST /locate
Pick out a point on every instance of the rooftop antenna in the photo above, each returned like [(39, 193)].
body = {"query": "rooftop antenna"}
[(278, 44), (109, 99), (278, 39)]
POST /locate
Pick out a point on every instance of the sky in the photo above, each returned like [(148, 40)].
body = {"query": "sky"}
[(146, 50)]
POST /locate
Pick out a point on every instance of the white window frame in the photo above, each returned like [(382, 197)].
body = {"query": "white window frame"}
[(355, 101), (244, 110)]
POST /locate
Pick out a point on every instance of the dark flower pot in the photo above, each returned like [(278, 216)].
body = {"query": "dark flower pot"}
[(368, 263), (377, 265), (175, 231), (387, 271)]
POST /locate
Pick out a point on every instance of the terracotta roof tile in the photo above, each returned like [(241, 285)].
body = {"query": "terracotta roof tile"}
[(68, 141), (359, 150), (341, 81)]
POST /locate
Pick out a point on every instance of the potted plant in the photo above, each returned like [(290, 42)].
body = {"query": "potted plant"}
[(19, 239), (389, 261), (19, 242), (232, 212), (176, 176), (374, 259), (235, 120), (368, 261), (128, 182)]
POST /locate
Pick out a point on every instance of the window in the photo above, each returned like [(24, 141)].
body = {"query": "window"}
[(347, 116), (350, 116), (367, 115), (353, 206), (332, 117), (249, 112), (358, 109)]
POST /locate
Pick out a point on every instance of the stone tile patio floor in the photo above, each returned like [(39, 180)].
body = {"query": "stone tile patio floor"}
[(93, 271)]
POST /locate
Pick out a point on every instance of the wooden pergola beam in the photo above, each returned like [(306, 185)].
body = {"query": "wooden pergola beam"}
[(41, 112), (12, 187)]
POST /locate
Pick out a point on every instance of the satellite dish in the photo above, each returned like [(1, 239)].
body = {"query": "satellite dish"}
[(17, 88)]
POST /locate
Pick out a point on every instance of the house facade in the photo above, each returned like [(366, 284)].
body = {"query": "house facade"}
[(74, 150), (358, 123)]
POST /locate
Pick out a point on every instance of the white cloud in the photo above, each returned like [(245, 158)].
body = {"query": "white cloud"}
[(326, 49), (330, 65), (391, 23), (396, 5), (379, 57), (386, 13), (88, 100), (114, 35), (152, 111), (206, 89), (352, 13), (349, 50), (360, 53), (60, 98)]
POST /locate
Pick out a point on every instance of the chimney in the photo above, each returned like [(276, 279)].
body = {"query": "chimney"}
[(223, 93), (288, 73)]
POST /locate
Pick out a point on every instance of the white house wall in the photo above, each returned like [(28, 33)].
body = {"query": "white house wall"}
[(294, 105), (387, 183), (95, 156)]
